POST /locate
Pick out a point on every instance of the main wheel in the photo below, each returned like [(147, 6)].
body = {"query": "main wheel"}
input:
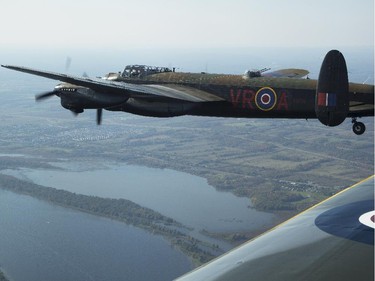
[(359, 128)]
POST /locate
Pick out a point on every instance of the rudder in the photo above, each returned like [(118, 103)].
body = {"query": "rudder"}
[(332, 97)]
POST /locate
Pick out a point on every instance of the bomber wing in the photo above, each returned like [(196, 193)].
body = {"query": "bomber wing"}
[(149, 92), (287, 73), (333, 240)]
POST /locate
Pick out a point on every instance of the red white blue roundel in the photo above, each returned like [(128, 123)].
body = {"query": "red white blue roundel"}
[(354, 221), (368, 219), (265, 99)]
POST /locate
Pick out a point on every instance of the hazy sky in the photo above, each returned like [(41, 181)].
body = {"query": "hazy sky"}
[(119, 24)]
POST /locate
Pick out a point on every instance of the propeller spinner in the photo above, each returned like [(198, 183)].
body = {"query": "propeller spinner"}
[(75, 111)]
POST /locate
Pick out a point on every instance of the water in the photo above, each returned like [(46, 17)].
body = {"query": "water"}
[(186, 198), (48, 242), (43, 242)]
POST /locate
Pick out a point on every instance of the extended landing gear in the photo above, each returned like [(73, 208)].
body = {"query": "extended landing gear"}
[(358, 127)]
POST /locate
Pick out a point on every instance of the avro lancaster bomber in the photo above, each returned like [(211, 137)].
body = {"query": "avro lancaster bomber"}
[(163, 92)]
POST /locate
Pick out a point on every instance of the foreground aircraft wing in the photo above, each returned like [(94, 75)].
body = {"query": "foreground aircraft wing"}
[(333, 240), (179, 93)]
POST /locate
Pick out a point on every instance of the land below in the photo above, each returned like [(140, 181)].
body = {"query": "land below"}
[(281, 166)]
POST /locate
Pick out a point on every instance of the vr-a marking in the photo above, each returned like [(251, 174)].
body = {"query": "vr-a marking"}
[(265, 99)]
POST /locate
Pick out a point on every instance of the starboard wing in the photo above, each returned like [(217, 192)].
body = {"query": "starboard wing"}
[(287, 73), (361, 101), (150, 92)]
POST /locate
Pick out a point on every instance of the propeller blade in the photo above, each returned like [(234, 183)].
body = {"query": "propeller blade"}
[(99, 113), (68, 62), (44, 96)]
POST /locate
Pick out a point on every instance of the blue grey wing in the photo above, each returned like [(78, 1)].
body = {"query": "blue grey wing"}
[(333, 240)]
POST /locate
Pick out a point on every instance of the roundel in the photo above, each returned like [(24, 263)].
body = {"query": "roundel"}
[(265, 99), (354, 221), (368, 219)]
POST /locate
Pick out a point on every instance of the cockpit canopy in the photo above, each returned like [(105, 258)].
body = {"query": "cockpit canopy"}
[(140, 71)]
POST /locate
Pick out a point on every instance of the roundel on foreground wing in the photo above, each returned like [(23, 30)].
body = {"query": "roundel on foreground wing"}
[(345, 221), (368, 219)]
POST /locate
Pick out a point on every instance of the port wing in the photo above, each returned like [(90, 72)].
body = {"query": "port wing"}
[(287, 73), (149, 92), (333, 240)]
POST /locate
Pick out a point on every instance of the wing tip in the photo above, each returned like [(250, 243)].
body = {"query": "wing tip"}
[(9, 66)]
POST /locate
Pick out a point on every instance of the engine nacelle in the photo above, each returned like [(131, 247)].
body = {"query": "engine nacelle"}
[(80, 98), (332, 93)]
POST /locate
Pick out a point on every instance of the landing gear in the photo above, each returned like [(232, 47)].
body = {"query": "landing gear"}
[(358, 127)]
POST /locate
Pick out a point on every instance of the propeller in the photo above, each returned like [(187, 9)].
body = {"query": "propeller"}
[(99, 113), (44, 96), (68, 62)]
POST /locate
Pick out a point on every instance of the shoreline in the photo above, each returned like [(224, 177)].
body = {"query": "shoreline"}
[(125, 211)]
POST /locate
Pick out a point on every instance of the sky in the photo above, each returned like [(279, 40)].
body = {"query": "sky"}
[(123, 24)]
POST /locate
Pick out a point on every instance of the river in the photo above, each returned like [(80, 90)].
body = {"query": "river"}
[(40, 241), (186, 198), (43, 242)]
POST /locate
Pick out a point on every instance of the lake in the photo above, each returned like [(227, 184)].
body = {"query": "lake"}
[(43, 242), (186, 198)]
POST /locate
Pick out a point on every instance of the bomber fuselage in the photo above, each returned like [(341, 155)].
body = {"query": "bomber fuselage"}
[(239, 96)]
